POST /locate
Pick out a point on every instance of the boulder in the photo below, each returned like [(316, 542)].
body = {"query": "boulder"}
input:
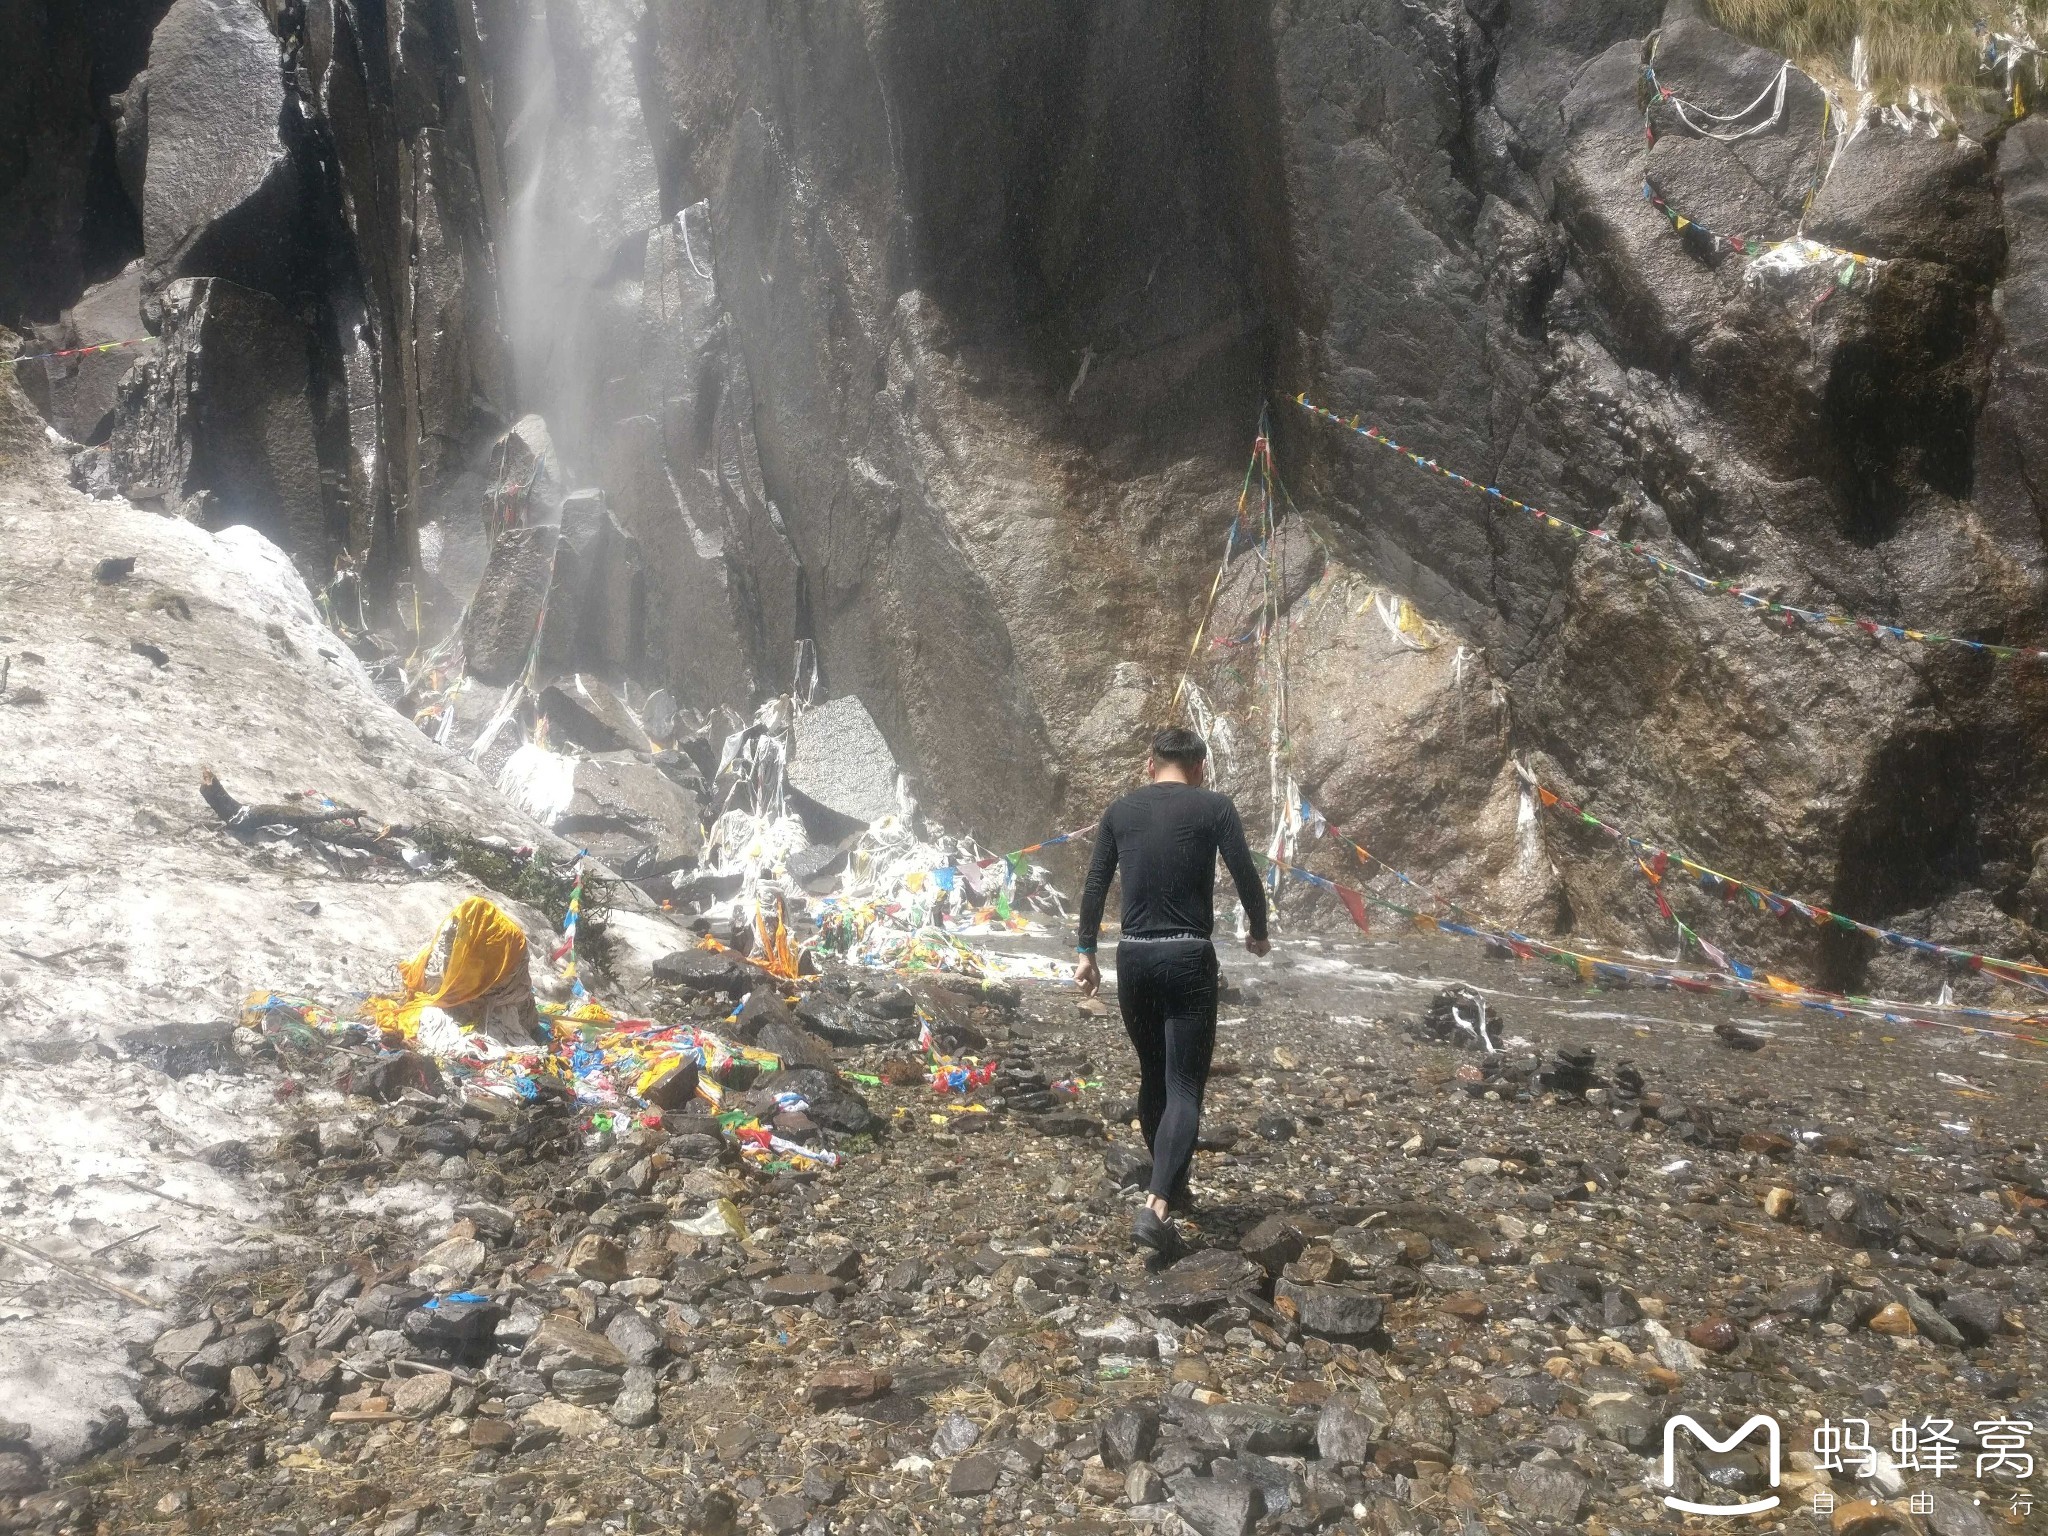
[(692, 891), (598, 1257), (451, 1262), (392, 1075), (1339, 1312), (1929, 1321), (698, 970), (1277, 1240), (526, 488), (1214, 1506), (77, 395), (1345, 1430), (636, 1405), (386, 1305), (218, 425), (1624, 1419), (1976, 1316), (1990, 1250), (175, 1346), (421, 1396), (797, 1046), (566, 1420), (249, 1345), (173, 1400), (1807, 1299), (855, 1022), (21, 1472), (504, 614), (586, 1385), (584, 712), (845, 1384), (179, 1050), (1860, 1217), (1240, 1429), (1125, 1435), (1954, 1512), (561, 1345), (220, 196), (1189, 1289), (973, 1476), (632, 815), (634, 1337), (842, 763), (459, 1328), (1552, 1491), (833, 1104)]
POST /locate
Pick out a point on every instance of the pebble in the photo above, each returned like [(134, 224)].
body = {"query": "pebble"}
[(1716, 1335), (956, 1435), (636, 1405), (972, 1476), (838, 1386), (565, 1419), (1893, 1318), (421, 1396)]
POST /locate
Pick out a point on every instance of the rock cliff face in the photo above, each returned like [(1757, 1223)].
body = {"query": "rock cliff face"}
[(938, 335)]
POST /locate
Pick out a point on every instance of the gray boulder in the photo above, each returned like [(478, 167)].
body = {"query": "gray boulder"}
[(1553, 1491), (842, 763), (1345, 1430), (498, 629), (581, 710), (633, 815), (220, 195), (595, 616), (1214, 1506), (218, 425), (1338, 1312), (77, 395)]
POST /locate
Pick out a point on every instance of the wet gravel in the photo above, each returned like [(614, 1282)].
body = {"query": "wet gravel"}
[(1431, 1289)]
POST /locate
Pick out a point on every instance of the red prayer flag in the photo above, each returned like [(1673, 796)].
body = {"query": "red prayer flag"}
[(1354, 903)]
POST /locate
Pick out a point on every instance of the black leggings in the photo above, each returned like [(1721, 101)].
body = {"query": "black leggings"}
[(1167, 992)]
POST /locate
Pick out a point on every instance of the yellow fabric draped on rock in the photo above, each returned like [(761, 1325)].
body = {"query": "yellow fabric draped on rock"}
[(487, 950)]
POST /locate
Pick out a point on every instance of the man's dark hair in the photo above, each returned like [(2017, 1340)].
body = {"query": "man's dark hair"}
[(1179, 745)]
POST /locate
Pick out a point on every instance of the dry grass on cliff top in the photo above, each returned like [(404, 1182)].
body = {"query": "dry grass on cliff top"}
[(1931, 44)]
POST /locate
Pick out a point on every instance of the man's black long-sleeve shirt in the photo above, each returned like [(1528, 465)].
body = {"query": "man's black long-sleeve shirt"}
[(1167, 836)]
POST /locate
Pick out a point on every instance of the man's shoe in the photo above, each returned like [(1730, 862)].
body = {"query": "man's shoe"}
[(1156, 1232)]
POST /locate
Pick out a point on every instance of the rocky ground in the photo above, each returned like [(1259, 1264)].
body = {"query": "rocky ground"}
[(1429, 1290)]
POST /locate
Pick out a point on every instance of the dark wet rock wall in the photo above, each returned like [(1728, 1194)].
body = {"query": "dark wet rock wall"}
[(937, 335)]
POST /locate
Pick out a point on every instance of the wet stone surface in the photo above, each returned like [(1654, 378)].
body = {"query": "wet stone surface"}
[(1445, 1301)]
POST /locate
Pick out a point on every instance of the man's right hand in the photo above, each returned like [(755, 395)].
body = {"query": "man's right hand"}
[(1087, 976), (1260, 947)]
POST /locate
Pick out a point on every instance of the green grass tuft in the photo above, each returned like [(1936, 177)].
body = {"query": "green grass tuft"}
[(541, 883)]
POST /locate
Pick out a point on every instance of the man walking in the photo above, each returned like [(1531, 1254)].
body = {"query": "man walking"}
[(1166, 837)]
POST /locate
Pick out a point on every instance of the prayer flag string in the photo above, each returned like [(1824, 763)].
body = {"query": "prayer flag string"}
[(1767, 257), (105, 346), (1792, 615), (1655, 861)]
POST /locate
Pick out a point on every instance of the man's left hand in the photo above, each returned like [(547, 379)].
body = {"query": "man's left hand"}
[(1260, 947), (1087, 976)]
